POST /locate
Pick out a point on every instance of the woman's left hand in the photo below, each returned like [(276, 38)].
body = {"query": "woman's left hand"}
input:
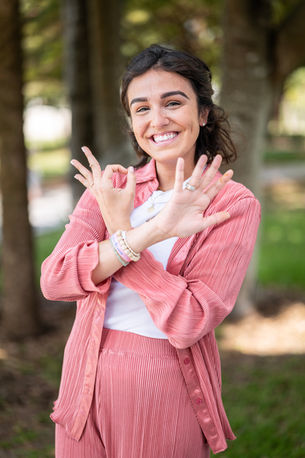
[(183, 215), (116, 204)]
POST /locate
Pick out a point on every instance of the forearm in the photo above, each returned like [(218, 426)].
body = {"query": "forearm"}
[(139, 238)]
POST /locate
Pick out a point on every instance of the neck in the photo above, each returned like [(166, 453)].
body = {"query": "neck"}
[(166, 175)]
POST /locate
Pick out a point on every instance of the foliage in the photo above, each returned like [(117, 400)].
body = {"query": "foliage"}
[(281, 9), (194, 26), (43, 50)]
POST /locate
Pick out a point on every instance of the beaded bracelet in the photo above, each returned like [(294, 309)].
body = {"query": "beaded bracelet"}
[(126, 248), (122, 261), (119, 249), (135, 255), (122, 248)]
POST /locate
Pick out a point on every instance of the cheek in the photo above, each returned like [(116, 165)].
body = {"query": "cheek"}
[(194, 129), (137, 127)]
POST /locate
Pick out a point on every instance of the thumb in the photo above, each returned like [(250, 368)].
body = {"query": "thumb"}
[(131, 180)]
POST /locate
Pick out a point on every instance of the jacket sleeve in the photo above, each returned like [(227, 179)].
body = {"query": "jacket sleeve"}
[(187, 307), (66, 273)]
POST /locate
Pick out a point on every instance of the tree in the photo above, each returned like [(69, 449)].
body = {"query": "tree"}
[(78, 79), (93, 67), (259, 53), (106, 67), (20, 306)]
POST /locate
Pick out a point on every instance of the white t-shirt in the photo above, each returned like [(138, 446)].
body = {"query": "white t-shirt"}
[(125, 310)]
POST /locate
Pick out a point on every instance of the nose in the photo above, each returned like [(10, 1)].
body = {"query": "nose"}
[(158, 118)]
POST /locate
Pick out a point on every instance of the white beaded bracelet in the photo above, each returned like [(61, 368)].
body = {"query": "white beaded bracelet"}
[(121, 237)]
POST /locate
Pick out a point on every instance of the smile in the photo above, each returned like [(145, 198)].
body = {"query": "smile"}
[(161, 138)]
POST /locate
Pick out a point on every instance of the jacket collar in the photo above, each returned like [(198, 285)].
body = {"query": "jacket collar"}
[(146, 173)]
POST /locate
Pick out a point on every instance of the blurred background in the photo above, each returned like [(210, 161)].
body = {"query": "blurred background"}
[(60, 67)]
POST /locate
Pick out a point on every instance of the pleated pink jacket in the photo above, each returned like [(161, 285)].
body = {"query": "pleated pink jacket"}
[(187, 301)]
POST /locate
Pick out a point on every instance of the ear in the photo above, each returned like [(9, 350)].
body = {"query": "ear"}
[(203, 116)]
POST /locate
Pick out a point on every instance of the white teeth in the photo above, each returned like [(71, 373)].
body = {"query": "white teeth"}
[(162, 138)]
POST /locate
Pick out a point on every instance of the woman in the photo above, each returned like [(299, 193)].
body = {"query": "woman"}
[(155, 258)]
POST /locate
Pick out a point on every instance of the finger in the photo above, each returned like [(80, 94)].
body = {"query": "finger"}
[(85, 172), (179, 175), (93, 163), (83, 181), (197, 172), (211, 171), (214, 189), (131, 180), (216, 218), (110, 169)]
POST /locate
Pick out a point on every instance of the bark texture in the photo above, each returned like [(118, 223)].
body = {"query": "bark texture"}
[(78, 78), (106, 66), (257, 58), (19, 304)]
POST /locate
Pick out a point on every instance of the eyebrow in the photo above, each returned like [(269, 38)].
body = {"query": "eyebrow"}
[(163, 96)]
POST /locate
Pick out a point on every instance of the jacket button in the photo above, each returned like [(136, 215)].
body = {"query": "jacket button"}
[(198, 401), (187, 361)]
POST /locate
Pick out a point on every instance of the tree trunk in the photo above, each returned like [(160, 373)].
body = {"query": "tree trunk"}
[(20, 305), (246, 95), (106, 65), (78, 78)]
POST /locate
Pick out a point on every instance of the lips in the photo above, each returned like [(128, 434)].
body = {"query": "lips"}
[(161, 138)]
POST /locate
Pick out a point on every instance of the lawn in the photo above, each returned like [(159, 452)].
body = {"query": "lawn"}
[(264, 398)]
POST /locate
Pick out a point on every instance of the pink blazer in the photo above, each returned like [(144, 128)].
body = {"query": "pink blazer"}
[(187, 301)]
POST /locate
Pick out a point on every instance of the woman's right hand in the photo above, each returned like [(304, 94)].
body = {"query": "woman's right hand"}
[(183, 215), (116, 204)]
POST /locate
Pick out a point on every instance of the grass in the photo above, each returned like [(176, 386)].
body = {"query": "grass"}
[(53, 163), (263, 398), (283, 156), (282, 248), (44, 245)]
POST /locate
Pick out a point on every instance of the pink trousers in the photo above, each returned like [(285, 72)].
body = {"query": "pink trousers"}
[(141, 407)]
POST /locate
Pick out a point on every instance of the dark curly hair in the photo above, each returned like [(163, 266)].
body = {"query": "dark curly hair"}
[(214, 138)]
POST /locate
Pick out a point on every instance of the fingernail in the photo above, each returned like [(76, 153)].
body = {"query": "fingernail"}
[(72, 161), (131, 169), (83, 148)]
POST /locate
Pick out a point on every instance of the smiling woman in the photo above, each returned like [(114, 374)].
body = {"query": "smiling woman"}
[(166, 122), (155, 258)]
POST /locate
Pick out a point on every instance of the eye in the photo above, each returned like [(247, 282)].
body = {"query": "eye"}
[(141, 109), (173, 103)]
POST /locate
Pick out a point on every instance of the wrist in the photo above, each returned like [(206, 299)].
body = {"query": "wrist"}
[(123, 225), (143, 236)]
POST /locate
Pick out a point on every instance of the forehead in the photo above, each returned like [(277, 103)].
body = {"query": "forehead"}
[(156, 82)]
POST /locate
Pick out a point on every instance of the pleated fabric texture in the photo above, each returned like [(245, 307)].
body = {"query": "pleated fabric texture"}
[(141, 408)]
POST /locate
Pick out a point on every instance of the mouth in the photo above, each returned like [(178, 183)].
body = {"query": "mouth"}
[(164, 138)]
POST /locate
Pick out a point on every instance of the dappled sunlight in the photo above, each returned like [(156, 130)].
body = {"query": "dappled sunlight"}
[(260, 335)]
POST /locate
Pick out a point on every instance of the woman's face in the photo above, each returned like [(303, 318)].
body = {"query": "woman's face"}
[(164, 116)]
